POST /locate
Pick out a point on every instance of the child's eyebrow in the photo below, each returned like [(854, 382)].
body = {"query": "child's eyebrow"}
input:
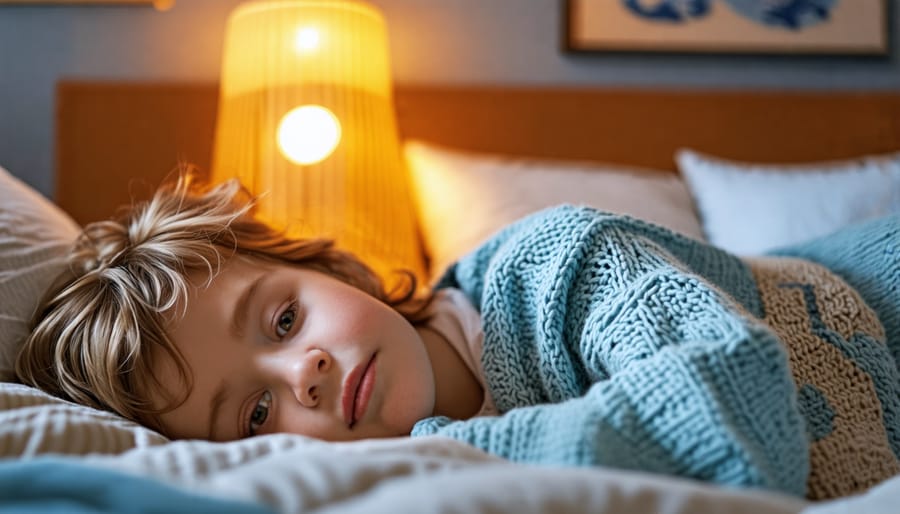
[(241, 306)]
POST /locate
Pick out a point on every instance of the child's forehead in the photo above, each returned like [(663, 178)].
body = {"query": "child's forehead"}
[(203, 277)]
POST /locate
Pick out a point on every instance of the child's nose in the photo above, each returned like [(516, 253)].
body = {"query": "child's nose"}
[(310, 376)]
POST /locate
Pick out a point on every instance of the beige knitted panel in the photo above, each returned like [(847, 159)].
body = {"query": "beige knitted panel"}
[(855, 454)]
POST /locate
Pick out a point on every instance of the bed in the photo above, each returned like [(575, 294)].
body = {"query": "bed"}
[(698, 162)]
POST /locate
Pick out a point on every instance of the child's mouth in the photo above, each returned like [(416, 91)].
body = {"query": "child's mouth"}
[(357, 390)]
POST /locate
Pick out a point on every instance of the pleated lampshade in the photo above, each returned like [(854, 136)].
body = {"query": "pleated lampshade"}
[(306, 118)]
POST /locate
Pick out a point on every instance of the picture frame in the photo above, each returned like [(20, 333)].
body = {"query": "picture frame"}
[(790, 27)]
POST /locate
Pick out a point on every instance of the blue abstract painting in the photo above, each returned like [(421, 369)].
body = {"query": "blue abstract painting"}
[(669, 11), (788, 14), (814, 26)]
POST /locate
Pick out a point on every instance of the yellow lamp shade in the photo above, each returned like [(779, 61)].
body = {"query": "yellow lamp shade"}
[(306, 117)]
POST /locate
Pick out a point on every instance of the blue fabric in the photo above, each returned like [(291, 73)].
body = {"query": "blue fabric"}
[(610, 341), (50, 485)]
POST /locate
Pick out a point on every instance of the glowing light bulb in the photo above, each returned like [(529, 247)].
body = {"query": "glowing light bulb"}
[(308, 134), (306, 40)]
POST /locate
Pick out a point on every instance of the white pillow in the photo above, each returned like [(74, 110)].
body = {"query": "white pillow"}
[(751, 208), (35, 423), (34, 238), (462, 198)]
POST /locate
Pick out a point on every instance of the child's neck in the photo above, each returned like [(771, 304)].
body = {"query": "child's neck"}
[(458, 394)]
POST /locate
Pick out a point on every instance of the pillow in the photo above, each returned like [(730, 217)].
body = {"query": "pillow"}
[(34, 238), (463, 198), (750, 208), (34, 423)]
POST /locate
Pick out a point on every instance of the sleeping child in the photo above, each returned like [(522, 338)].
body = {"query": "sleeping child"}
[(571, 337)]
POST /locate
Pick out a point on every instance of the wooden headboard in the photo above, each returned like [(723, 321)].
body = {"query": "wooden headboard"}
[(117, 140)]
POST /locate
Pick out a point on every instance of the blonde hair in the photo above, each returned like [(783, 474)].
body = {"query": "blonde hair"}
[(96, 331)]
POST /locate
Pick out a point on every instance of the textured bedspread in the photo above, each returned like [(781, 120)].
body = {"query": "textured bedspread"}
[(610, 341), (428, 475)]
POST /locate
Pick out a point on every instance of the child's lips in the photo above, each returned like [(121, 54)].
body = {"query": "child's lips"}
[(357, 390)]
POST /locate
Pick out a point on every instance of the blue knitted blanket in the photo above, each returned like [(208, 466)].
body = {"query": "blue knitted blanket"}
[(57, 484), (610, 341)]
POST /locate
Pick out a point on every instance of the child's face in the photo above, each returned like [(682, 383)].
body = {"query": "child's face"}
[(276, 348)]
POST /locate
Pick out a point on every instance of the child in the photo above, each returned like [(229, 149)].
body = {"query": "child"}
[(571, 337)]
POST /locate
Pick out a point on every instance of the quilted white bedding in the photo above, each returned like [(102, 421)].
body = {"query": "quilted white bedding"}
[(429, 475), (292, 474)]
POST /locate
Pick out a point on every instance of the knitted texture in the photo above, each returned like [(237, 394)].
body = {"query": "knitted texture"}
[(867, 256), (610, 341), (845, 376)]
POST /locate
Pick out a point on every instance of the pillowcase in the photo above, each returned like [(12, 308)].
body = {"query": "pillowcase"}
[(749, 208), (34, 423), (35, 236), (462, 198)]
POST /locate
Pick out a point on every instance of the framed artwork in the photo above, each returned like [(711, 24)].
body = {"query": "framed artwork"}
[(727, 26)]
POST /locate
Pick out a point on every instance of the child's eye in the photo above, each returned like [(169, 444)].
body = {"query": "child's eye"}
[(260, 413), (286, 320)]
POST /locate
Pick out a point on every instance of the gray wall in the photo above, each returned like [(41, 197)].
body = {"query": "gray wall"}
[(433, 41)]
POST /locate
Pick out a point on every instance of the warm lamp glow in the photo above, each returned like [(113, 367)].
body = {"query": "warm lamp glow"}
[(307, 39), (306, 120), (308, 134)]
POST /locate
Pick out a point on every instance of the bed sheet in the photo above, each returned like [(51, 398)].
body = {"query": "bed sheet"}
[(425, 475), (289, 473)]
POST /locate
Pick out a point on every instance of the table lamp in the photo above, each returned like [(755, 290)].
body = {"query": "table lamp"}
[(306, 119)]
